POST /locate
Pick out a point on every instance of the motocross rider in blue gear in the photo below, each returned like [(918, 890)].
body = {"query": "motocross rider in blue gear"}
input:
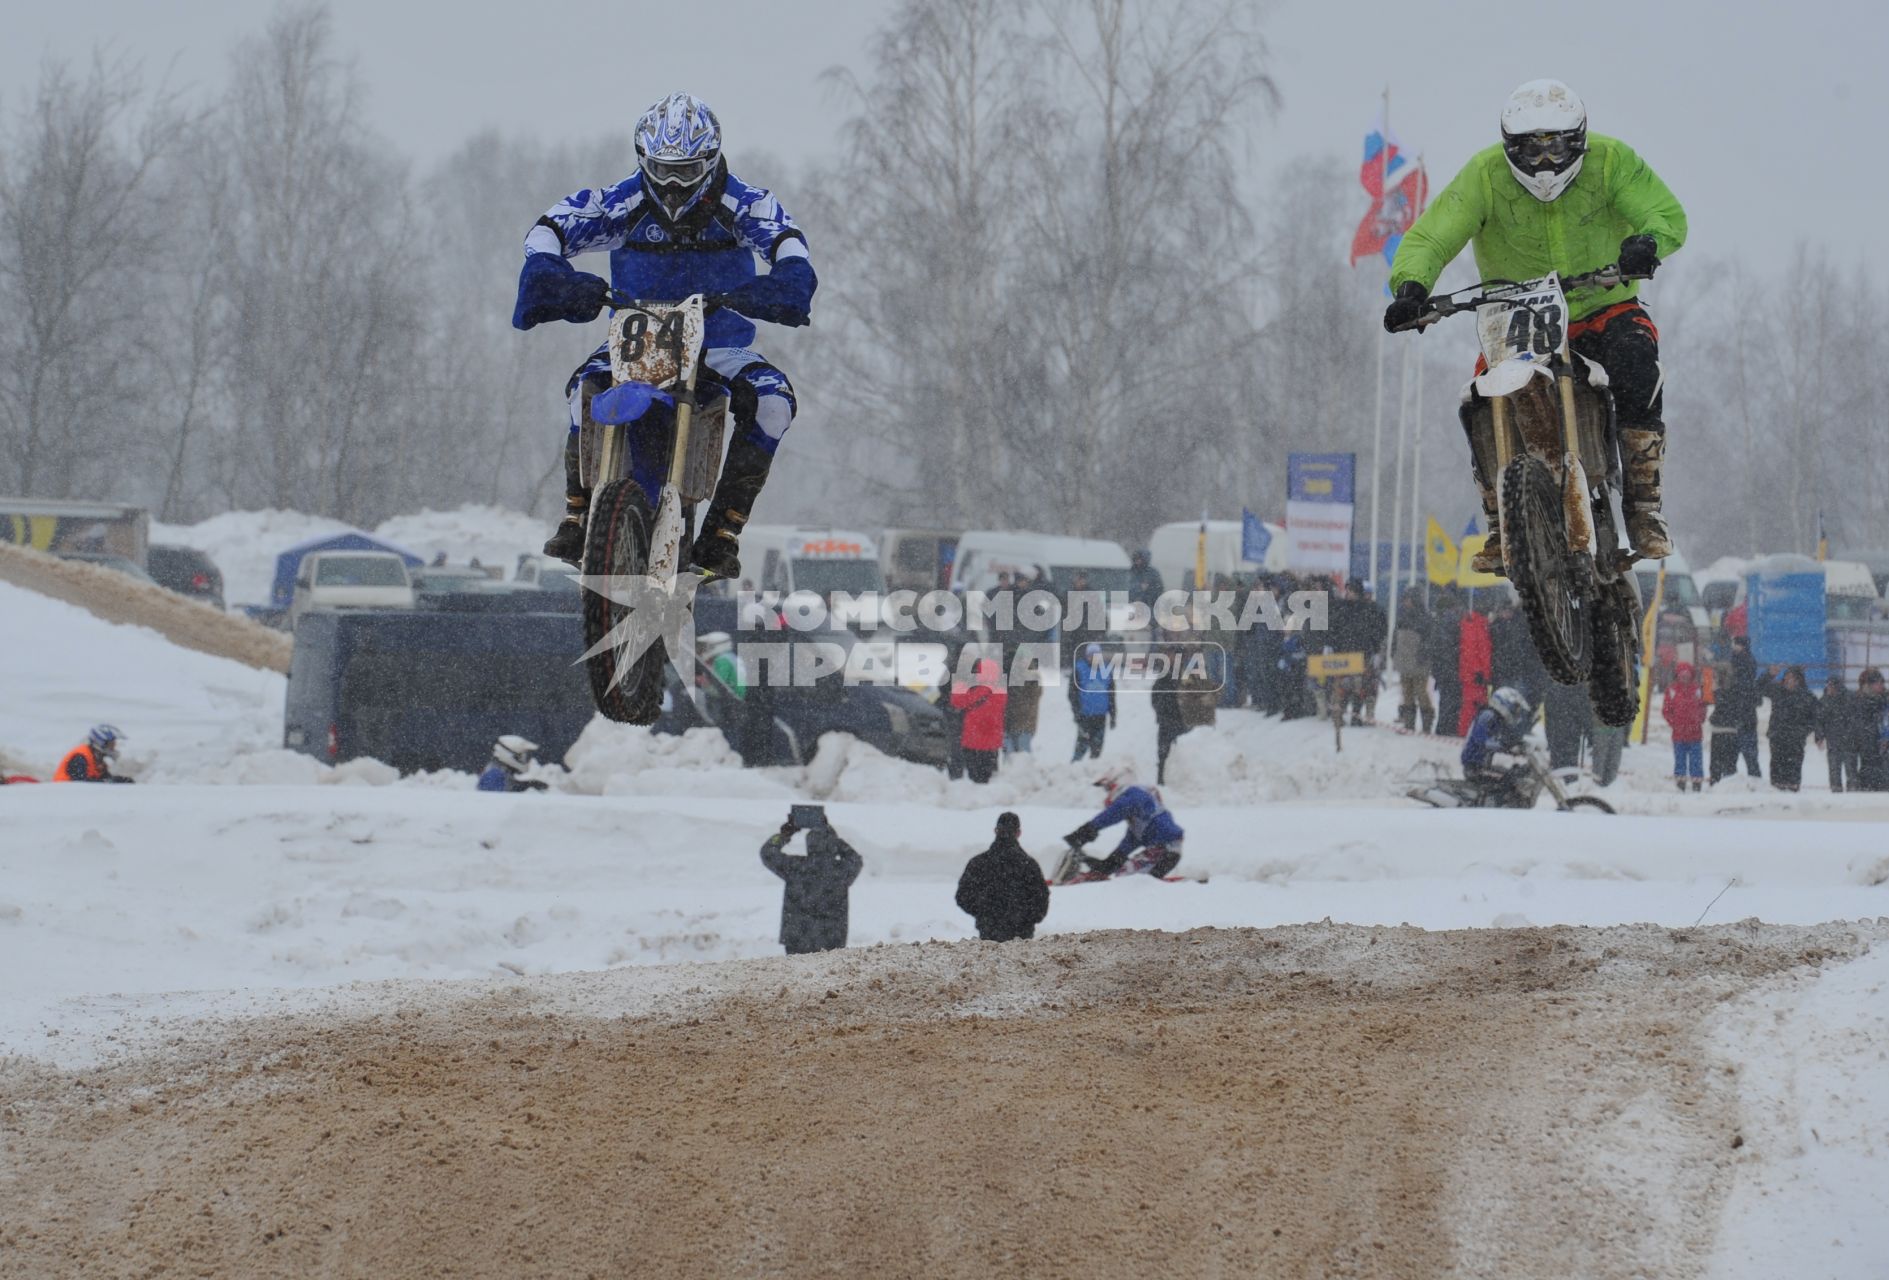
[(682, 224)]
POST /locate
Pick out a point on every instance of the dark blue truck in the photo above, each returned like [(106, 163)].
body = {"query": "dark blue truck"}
[(426, 689)]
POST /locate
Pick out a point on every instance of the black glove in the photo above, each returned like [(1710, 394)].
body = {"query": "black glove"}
[(1104, 866), (1639, 256), (1081, 835), (116, 778), (1406, 306)]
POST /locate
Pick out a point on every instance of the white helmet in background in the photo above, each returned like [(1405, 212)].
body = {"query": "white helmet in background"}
[(1544, 136), (714, 645), (514, 753), (1115, 780), (1512, 707)]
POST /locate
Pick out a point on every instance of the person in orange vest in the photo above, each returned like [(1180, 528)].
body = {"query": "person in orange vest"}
[(90, 761)]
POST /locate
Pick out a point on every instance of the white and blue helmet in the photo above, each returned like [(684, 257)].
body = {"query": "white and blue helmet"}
[(678, 144)]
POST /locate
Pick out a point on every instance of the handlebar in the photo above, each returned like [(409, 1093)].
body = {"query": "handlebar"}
[(1449, 304), (619, 301)]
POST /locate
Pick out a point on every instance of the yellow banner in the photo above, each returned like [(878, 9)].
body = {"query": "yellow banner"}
[(1439, 555), (1320, 665)]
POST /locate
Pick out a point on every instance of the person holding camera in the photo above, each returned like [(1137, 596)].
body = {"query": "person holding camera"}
[(1002, 888), (814, 903)]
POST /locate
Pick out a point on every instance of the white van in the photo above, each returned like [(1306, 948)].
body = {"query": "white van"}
[(788, 558), (917, 559), (1172, 547), (350, 580), (984, 553), (1849, 590)]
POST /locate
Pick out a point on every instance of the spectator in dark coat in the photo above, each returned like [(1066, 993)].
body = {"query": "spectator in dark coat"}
[(1843, 734), (814, 904), (1872, 700), (1512, 657), (1170, 717), (1793, 717), (1144, 581), (1078, 628), (1736, 700), (1002, 888), (1567, 721), (1445, 655)]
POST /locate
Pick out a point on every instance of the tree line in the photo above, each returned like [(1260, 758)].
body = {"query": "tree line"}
[(1046, 301)]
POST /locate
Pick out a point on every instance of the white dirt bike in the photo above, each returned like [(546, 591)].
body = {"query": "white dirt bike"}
[(642, 518), (1541, 425), (1524, 789)]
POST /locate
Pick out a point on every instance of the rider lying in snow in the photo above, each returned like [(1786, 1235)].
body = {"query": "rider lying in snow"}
[(1497, 730), (1153, 837)]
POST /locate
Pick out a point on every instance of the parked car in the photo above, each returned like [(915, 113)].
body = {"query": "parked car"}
[(350, 580), (107, 560), (435, 581), (187, 571)]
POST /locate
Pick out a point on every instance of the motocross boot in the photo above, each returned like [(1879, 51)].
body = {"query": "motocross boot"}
[(1489, 559), (743, 473), (567, 541), (1642, 452)]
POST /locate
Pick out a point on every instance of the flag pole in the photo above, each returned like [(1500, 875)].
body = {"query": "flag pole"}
[(1416, 476), (1377, 423), (1397, 488)]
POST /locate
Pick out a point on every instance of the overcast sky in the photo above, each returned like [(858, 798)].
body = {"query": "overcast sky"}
[(1765, 119)]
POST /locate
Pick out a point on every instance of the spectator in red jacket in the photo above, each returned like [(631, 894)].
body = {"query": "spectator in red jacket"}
[(1475, 664), (981, 705), (1684, 709)]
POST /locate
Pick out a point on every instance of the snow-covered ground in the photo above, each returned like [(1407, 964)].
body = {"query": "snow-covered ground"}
[(237, 869)]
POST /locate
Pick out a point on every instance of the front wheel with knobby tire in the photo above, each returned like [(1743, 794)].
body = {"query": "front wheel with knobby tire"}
[(617, 546), (1534, 550)]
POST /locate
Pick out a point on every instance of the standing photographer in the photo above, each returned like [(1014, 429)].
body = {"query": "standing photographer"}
[(813, 907)]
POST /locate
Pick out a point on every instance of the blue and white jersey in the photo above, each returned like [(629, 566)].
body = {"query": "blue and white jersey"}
[(712, 251), (1487, 735), (1149, 822)]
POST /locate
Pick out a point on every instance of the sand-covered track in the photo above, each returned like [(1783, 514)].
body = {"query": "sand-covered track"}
[(1307, 1101), (115, 597)]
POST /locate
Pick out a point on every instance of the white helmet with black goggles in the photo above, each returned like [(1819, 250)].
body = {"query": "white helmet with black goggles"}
[(678, 144), (1544, 136)]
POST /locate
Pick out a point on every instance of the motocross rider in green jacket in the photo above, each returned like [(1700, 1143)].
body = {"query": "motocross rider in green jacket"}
[(1552, 197)]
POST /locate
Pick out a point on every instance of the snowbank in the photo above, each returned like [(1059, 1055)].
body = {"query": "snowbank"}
[(68, 670), (245, 544)]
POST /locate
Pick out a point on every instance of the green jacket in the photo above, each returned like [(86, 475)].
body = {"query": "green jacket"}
[(1518, 237)]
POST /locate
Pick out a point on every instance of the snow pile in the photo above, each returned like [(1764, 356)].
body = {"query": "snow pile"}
[(245, 544), (492, 535)]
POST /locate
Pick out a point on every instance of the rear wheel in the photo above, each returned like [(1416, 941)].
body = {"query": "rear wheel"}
[(1614, 686), (1534, 551), (1588, 804), (617, 546)]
